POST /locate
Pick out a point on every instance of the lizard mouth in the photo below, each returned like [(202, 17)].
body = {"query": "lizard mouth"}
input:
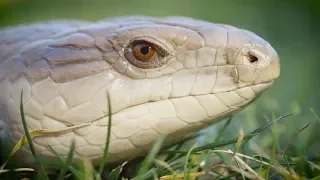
[(222, 103)]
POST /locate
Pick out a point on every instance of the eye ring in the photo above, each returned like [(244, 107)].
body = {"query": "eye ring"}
[(146, 53)]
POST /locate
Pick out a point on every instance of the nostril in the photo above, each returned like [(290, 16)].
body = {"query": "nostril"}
[(252, 58)]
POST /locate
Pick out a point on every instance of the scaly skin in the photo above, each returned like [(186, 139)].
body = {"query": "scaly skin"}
[(65, 69)]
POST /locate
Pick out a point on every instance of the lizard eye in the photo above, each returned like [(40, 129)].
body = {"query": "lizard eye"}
[(143, 51), (145, 54)]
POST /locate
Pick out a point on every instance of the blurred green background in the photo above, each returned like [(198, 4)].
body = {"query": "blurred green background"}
[(292, 27)]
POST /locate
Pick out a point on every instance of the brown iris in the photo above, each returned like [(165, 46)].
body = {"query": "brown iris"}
[(146, 53), (143, 51)]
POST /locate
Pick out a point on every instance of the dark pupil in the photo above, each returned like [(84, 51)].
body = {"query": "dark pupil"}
[(144, 50)]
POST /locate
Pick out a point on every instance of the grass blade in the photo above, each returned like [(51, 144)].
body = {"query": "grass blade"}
[(292, 139), (115, 173), (64, 169), (180, 144), (222, 143), (31, 145), (287, 164), (209, 145), (106, 148), (149, 159), (228, 142), (271, 123), (223, 129), (72, 169), (186, 169), (257, 131), (315, 114), (87, 170)]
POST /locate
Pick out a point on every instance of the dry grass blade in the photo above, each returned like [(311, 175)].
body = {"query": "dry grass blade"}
[(165, 165), (246, 166), (182, 176), (278, 169), (17, 170), (40, 132), (238, 170)]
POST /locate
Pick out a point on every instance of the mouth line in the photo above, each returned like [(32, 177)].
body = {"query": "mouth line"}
[(265, 86)]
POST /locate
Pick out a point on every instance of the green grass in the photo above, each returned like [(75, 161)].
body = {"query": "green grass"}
[(219, 159)]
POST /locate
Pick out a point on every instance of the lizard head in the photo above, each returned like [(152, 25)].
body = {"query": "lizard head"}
[(176, 75), (165, 76), (191, 66)]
